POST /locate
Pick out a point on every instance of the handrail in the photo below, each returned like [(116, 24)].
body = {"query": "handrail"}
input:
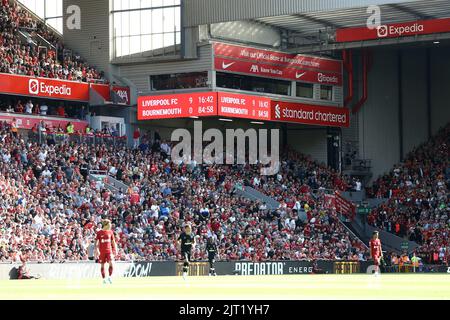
[(46, 117), (348, 229), (99, 172), (36, 17), (48, 43)]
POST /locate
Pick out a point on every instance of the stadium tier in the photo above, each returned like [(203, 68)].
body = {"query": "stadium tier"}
[(50, 207), (418, 203), (33, 58)]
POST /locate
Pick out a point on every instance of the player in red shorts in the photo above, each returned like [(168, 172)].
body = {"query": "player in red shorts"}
[(105, 249), (376, 253)]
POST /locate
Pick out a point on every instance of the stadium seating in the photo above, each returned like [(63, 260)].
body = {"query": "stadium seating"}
[(32, 107), (50, 206), (23, 57), (418, 205)]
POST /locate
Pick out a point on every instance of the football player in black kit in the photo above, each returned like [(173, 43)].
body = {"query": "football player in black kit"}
[(187, 241), (211, 247)]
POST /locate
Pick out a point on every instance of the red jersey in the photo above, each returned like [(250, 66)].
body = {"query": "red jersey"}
[(135, 198), (375, 247), (105, 238)]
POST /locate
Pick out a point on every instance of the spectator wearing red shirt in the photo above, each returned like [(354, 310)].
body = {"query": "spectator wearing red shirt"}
[(60, 111), (19, 107), (136, 137), (134, 198)]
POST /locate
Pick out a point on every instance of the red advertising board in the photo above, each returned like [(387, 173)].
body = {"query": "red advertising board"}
[(28, 122), (123, 93), (44, 87), (103, 90), (233, 105), (344, 206), (310, 114), (395, 30), (281, 72), (260, 57), (329, 201), (182, 105), (58, 89)]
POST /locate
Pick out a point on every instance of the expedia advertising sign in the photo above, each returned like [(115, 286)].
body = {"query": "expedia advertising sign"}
[(395, 30), (44, 88), (56, 89)]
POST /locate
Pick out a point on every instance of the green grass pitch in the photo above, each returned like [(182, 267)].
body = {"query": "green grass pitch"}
[(296, 287)]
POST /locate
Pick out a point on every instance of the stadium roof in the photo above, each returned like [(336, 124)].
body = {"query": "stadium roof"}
[(198, 12), (310, 24), (312, 31)]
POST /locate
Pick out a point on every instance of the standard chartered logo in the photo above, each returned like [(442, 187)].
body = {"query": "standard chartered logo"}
[(277, 111)]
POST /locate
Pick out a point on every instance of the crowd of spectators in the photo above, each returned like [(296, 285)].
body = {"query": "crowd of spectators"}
[(418, 200), (49, 205), (28, 106), (22, 57)]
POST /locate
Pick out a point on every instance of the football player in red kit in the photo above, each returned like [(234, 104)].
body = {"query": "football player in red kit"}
[(105, 249), (376, 253)]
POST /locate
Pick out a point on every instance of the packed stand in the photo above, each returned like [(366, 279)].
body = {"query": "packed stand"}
[(21, 58), (418, 200), (51, 207)]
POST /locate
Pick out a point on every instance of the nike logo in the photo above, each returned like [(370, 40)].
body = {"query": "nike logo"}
[(226, 66), (298, 76)]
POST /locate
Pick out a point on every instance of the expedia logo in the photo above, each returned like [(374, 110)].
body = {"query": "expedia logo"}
[(40, 87), (382, 31), (394, 31), (33, 86), (277, 111), (329, 79)]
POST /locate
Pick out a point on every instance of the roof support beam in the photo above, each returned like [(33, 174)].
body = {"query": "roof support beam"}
[(371, 43), (269, 25), (402, 8), (199, 12), (323, 22)]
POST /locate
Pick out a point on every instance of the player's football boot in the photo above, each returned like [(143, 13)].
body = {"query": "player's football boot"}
[(109, 280), (104, 281), (184, 275)]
